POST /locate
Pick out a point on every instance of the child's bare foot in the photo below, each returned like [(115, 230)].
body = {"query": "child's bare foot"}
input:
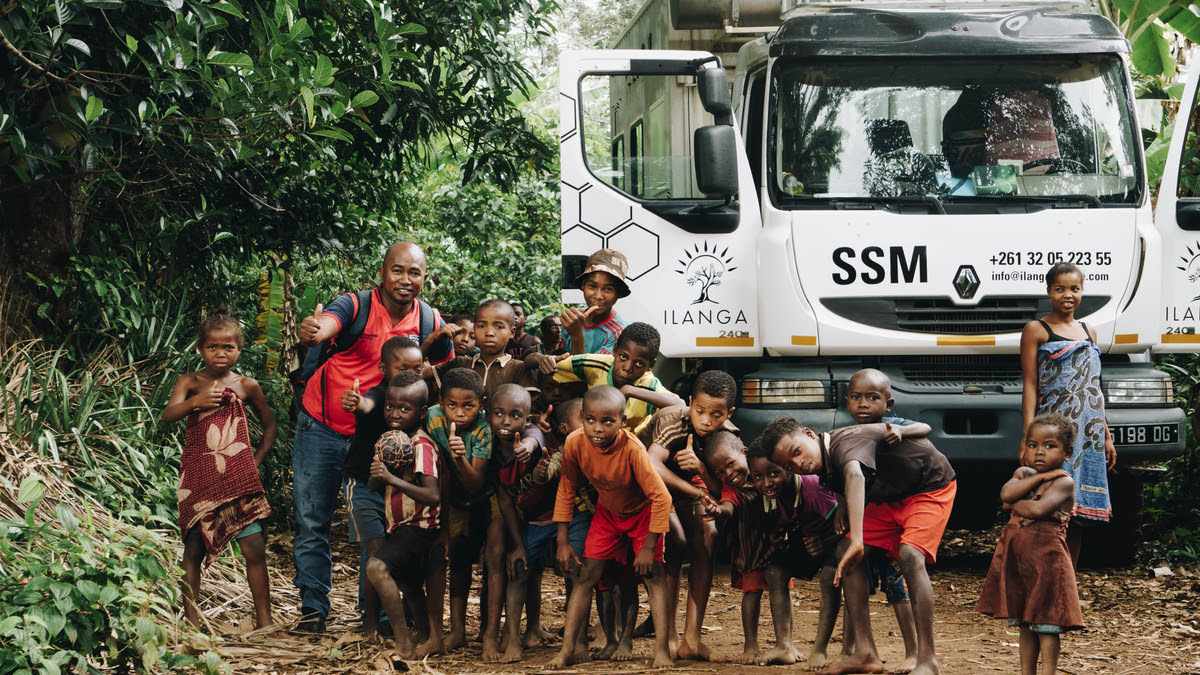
[(623, 653), (606, 652), (816, 659), (535, 638), (491, 650), (906, 666), (673, 645), (565, 658), (595, 632), (780, 656), (926, 668), (700, 652), (662, 660), (403, 650), (856, 664), (749, 656), (581, 654), (434, 645), (455, 640), (512, 653)]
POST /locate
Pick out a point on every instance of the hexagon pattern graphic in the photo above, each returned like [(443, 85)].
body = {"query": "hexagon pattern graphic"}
[(640, 247)]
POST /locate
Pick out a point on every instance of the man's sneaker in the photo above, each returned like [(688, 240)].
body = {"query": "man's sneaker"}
[(311, 622)]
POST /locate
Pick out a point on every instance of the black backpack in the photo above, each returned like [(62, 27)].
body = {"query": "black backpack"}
[(315, 356)]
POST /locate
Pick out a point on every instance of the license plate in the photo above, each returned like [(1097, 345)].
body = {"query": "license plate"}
[(1144, 434)]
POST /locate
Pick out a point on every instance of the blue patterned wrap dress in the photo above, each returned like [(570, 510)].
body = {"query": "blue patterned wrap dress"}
[(1069, 384)]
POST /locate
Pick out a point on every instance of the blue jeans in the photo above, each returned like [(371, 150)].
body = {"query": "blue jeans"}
[(318, 454)]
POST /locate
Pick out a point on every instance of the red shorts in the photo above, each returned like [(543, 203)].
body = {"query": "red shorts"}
[(750, 582), (611, 537), (918, 521)]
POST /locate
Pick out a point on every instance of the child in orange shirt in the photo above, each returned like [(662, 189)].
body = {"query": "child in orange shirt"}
[(631, 515)]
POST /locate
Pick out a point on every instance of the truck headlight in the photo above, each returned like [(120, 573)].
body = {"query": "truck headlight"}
[(1156, 391), (806, 393)]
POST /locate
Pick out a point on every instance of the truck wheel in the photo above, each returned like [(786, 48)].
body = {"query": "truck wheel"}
[(1116, 544)]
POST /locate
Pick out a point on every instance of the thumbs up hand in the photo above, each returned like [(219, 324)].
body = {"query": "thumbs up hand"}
[(310, 327), (457, 447), (891, 434), (351, 398), (687, 460), (543, 421)]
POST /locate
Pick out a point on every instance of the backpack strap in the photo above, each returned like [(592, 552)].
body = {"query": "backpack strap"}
[(362, 311), (428, 320)]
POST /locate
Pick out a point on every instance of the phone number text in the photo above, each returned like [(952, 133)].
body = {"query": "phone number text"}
[(1014, 258)]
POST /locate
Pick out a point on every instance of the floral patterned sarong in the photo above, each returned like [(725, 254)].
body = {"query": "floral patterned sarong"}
[(1069, 383), (219, 489)]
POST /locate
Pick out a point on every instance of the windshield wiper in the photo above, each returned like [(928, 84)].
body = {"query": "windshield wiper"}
[(1068, 201), (859, 202)]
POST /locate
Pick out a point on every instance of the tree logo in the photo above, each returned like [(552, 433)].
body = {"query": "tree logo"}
[(704, 267), (1191, 266)]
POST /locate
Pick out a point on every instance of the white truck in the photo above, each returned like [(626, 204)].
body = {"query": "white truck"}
[(885, 184)]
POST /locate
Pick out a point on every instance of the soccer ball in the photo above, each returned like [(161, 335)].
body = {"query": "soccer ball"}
[(395, 450)]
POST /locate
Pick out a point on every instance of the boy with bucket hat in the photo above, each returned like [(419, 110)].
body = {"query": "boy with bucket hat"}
[(595, 329)]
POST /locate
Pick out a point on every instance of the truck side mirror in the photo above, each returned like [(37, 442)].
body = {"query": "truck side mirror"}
[(716, 160), (714, 94)]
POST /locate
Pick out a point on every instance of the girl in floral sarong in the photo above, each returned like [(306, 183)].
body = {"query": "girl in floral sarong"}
[(1061, 366), (220, 496)]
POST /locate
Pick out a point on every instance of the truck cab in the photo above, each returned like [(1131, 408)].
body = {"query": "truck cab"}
[(895, 181)]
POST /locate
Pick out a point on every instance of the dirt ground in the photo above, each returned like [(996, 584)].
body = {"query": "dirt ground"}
[(1136, 623)]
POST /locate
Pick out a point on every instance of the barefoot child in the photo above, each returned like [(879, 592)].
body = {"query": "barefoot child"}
[(364, 506), (1031, 581), (897, 497), (784, 530), (522, 472), (869, 401), (631, 516), (671, 439), (411, 496), (220, 496), (464, 440)]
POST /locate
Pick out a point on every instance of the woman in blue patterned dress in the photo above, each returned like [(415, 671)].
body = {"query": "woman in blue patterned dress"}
[(1061, 366)]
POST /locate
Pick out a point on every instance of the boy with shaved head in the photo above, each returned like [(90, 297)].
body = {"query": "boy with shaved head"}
[(631, 517), (898, 498), (869, 401), (324, 430)]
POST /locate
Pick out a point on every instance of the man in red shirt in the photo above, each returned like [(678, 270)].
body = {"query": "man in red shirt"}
[(324, 430)]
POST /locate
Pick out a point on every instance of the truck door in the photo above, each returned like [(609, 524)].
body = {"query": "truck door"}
[(645, 142), (1177, 218)]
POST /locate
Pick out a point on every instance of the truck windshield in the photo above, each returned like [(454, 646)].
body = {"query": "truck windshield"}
[(953, 132)]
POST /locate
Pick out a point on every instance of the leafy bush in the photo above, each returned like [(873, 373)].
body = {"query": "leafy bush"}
[(75, 591), (1173, 504)]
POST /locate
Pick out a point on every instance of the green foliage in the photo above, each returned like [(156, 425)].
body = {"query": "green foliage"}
[(1173, 504), (1148, 24), (74, 593), (191, 137), (487, 243)]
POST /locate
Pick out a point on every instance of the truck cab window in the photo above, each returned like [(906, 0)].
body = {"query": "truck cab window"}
[(638, 133), (1034, 128)]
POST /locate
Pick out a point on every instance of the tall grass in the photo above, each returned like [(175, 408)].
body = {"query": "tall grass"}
[(89, 540)]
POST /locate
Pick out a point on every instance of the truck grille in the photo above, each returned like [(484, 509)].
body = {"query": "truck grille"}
[(975, 369), (993, 314)]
